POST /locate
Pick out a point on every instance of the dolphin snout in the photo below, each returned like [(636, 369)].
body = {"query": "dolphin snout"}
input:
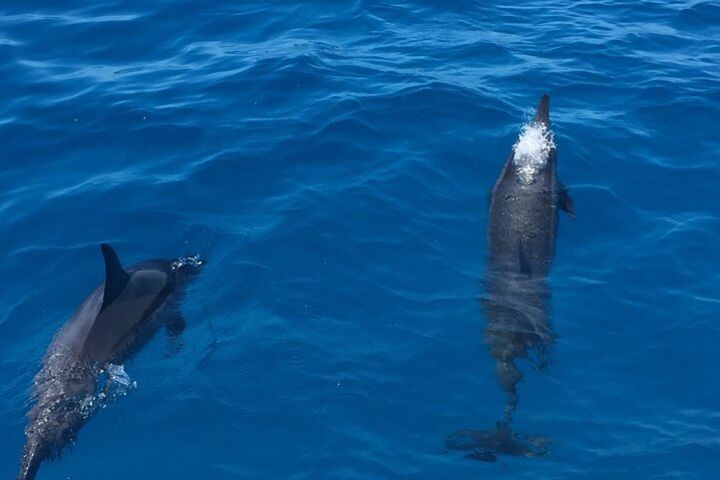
[(188, 266), (33, 456)]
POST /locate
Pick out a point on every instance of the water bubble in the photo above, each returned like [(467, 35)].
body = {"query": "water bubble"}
[(531, 151), (193, 261)]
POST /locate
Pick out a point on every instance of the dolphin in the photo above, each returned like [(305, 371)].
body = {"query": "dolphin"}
[(522, 227), (111, 324)]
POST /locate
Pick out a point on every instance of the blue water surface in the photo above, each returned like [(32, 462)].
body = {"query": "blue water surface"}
[(332, 162)]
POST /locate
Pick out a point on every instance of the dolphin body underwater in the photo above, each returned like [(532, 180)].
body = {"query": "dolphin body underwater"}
[(522, 227), (113, 322)]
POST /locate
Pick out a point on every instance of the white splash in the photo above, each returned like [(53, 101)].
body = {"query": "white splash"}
[(120, 379), (115, 383), (532, 150)]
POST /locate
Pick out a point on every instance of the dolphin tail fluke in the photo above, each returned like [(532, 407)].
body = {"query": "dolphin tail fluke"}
[(486, 445), (542, 115)]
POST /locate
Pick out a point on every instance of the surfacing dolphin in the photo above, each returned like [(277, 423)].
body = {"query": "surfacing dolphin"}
[(113, 322), (522, 226)]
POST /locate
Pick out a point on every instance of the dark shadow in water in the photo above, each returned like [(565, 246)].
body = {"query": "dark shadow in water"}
[(486, 445)]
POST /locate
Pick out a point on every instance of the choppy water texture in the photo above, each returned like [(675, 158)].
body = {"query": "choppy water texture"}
[(332, 161)]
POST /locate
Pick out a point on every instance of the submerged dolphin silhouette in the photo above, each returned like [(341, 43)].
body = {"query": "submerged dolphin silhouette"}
[(114, 321), (522, 226)]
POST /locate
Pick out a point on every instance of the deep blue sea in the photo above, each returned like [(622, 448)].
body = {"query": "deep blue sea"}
[(332, 162)]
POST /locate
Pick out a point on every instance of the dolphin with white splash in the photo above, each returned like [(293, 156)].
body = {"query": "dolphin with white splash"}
[(113, 322), (522, 227)]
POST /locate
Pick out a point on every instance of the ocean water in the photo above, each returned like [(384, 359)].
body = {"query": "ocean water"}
[(332, 162)]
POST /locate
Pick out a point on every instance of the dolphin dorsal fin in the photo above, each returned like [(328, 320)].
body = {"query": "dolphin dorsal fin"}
[(116, 278)]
